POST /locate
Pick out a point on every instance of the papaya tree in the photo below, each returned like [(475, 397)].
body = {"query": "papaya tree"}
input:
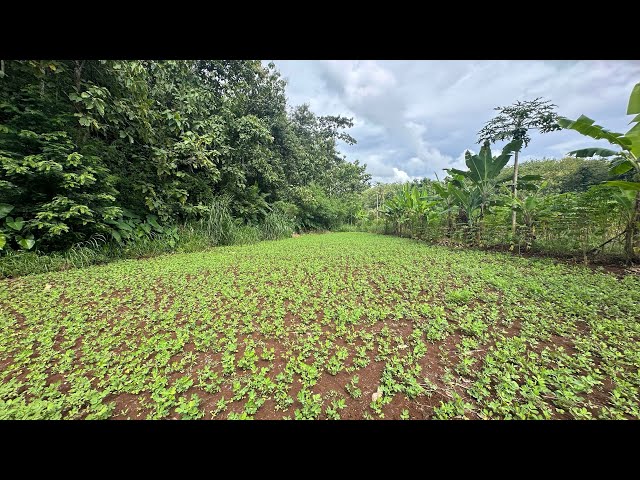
[(625, 160), (514, 123)]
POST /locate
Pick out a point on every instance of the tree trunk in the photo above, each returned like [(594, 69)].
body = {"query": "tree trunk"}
[(77, 77), (77, 73), (629, 240), (515, 194)]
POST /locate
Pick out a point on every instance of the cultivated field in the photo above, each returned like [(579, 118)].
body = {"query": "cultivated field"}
[(341, 325)]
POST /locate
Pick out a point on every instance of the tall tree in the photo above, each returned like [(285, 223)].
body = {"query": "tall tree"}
[(514, 123)]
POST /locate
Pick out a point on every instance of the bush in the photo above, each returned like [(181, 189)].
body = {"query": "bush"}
[(217, 228), (345, 227), (193, 239), (316, 210)]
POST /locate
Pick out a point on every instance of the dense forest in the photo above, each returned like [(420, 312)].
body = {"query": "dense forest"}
[(114, 150)]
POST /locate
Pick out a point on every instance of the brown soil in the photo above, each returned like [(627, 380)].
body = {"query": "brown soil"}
[(610, 264)]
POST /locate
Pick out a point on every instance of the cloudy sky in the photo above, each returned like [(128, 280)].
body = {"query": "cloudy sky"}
[(413, 118)]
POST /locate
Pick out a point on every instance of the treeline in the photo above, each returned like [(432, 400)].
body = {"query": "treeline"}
[(124, 150)]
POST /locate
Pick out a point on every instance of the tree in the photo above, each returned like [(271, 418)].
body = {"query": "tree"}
[(625, 160), (514, 123)]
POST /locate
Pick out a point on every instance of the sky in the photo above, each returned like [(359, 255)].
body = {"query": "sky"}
[(412, 118)]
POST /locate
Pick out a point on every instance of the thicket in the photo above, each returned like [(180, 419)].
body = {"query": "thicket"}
[(123, 152)]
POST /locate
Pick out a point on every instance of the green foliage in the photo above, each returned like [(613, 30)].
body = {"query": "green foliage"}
[(626, 159), (316, 209), (276, 226), (514, 122), (82, 142), (555, 206), (479, 192), (483, 167), (569, 174)]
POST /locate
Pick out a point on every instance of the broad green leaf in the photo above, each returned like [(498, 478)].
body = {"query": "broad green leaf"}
[(626, 198), (124, 226), (3, 240), (16, 224), (585, 126), (5, 208), (621, 168), (26, 243), (153, 221), (456, 171), (590, 152), (635, 130), (623, 184), (115, 234), (129, 214), (634, 100), (634, 137), (479, 164)]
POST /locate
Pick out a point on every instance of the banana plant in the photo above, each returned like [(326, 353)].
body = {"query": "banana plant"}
[(470, 200), (445, 192), (462, 195), (408, 206), (476, 189), (529, 209), (625, 159), (484, 170)]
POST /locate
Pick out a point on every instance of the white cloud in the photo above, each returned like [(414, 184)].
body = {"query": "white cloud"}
[(401, 176), (415, 117), (360, 81)]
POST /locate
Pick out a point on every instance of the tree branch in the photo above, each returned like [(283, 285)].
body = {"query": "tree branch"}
[(608, 241)]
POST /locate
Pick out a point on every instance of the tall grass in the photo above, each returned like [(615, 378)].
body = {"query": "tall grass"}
[(219, 224), (276, 226), (244, 234), (217, 228)]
